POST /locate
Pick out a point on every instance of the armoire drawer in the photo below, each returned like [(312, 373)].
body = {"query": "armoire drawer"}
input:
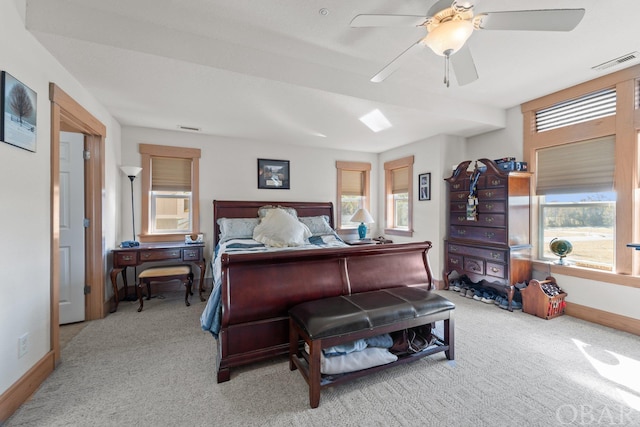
[(481, 234), (488, 254)]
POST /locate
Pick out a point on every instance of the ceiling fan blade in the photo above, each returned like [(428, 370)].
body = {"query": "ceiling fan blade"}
[(387, 21), (532, 20), (463, 66), (395, 64)]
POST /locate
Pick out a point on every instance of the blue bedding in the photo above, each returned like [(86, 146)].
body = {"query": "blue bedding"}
[(210, 319)]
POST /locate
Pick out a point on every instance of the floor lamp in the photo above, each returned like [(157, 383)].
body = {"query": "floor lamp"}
[(131, 172)]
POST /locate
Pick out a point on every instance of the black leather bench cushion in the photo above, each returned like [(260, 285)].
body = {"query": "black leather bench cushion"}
[(344, 314)]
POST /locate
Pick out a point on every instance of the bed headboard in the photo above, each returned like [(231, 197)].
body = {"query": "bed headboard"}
[(249, 209)]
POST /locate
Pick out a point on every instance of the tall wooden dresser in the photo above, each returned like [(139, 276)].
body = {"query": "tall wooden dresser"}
[(492, 246)]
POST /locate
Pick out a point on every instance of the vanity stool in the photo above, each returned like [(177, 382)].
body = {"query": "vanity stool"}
[(165, 274)]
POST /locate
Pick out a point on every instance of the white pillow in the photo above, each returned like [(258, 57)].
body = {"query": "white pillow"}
[(318, 225), (357, 360), (236, 228), (262, 211), (279, 229)]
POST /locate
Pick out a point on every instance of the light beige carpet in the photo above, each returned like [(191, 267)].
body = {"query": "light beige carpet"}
[(157, 368)]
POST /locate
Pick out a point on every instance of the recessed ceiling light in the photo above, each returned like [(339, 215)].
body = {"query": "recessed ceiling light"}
[(324, 11), (376, 121)]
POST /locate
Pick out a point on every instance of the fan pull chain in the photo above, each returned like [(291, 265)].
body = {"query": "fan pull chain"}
[(447, 55), (446, 70)]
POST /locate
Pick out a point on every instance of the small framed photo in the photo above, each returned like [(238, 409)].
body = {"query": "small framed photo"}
[(273, 174), (18, 118), (424, 186)]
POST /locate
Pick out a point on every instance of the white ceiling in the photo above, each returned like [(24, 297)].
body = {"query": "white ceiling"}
[(280, 71)]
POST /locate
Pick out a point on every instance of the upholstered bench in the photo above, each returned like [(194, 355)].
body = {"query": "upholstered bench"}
[(165, 274), (338, 320)]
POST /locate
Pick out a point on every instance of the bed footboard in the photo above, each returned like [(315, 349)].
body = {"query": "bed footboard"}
[(258, 289)]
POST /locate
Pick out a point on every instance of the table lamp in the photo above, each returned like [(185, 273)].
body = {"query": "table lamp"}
[(362, 216)]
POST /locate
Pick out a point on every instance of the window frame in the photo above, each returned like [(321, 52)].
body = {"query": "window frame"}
[(625, 127), (389, 200), (363, 167), (147, 152)]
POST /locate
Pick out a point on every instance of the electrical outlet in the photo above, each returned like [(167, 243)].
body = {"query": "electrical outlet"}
[(23, 345)]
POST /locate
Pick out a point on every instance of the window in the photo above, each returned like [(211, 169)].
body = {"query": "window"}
[(170, 196), (398, 200), (602, 213), (578, 203), (353, 191)]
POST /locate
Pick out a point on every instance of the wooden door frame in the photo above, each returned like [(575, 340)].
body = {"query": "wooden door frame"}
[(69, 116)]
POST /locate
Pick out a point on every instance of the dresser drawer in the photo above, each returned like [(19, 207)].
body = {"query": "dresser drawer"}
[(455, 261), (458, 206), (125, 258), (459, 196), (192, 254), (491, 220), (488, 254), (459, 218), (497, 206), (474, 265), (496, 270), (495, 181), (492, 193), (481, 234), (160, 255), (459, 185)]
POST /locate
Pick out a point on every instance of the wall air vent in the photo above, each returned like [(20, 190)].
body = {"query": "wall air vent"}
[(623, 60), (189, 128)]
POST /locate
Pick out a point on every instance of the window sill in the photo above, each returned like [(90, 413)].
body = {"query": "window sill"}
[(154, 238), (587, 273), (398, 232)]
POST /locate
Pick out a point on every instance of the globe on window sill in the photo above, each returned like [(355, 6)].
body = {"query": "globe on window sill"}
[(561, 248)]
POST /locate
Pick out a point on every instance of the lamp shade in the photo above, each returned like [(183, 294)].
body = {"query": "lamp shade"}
[(130, 170), (448, 37), (362, 215)]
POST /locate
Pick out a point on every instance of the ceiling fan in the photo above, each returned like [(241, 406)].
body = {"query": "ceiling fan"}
[(449, 24)]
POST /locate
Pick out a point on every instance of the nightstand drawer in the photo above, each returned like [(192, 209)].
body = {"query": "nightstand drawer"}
[(126, 258), (157, 255), (192, 254)]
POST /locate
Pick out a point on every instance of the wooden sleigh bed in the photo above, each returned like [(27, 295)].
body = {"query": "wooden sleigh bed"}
[(258, 289)]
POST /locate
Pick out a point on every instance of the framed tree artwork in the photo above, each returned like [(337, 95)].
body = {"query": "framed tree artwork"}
[(19, 111)]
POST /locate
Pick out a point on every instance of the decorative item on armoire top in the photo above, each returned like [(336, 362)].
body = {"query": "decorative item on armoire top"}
[(19, 113), (424, 186), (362, 216), (273, 174)]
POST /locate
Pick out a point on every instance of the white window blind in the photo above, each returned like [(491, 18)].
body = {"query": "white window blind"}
[(400, 180), (352, 183), (170, 174), (588, 107), (581, 167)]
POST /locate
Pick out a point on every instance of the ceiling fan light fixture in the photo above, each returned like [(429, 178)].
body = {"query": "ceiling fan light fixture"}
[(448, 37)]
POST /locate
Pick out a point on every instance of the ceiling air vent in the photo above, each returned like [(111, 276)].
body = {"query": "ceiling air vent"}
[(625, 59), (189, 128)]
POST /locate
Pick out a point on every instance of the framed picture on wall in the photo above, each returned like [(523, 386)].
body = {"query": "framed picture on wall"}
[(18, 108), (424, 186), (273, 174)]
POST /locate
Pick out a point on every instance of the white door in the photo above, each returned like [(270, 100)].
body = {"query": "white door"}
[(72, 275)]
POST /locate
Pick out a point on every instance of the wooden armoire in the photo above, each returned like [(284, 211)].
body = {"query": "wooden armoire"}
[(490, 245)]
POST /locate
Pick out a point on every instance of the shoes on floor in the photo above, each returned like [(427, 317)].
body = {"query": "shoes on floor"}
[(477, 295), (470, 293), (456, 285), (463, 291), (488, 297)]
